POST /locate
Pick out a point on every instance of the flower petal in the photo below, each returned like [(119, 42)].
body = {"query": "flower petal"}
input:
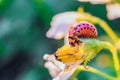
[(56, 68), (113, 11), (96, 1), (60, 24)]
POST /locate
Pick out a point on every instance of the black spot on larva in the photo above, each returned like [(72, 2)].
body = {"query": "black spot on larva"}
[(87, 24), (71, 37), (81, 28), (71, 43), (91, 26), (93, 31), (75, 28), (87, 27), (83, 23), (90, 29), (84, 27), (78, 31), (77, 41), (79, 25)]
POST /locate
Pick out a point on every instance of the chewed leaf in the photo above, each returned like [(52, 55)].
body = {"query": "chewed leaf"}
[(113, 11), (60, 24)]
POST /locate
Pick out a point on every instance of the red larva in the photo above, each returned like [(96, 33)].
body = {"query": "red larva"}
[(81, 30)]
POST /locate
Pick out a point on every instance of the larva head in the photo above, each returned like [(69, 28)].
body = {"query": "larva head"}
[(81, 30)]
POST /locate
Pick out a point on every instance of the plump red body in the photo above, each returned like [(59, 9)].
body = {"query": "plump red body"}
[(81, 30)]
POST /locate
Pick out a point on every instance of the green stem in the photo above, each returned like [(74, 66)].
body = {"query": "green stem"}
[(90, 69), (107, 29), (114, 54), (116, 1)]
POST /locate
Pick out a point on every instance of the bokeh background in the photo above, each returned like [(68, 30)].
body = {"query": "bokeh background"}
[(23, 25)]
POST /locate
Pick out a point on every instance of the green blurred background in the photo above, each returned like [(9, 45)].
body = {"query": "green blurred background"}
[(23, 25)]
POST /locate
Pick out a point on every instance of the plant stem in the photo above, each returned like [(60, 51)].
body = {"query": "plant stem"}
[(114, 54), (107, 29), (90, 69)]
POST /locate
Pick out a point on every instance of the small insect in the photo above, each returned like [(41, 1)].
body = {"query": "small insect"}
[(72, 53), (81, 30)]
